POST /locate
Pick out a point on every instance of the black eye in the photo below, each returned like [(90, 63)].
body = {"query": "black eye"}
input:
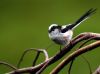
[(54, 27)]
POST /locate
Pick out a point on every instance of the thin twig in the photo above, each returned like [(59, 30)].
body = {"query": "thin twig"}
[(8, 65), (21, 59), (49, 46), (70, 67), (38, 50), (37, 56), (87, 63)]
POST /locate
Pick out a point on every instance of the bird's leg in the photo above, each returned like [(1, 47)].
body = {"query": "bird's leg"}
[(70, 42)]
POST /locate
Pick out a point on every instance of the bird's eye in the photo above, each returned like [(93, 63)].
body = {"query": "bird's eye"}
[(54, 27)]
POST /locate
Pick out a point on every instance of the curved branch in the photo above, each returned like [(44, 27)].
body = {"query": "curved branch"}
[(75, 54), (38, 50), (36, 58), (87, 64), (8, 65)]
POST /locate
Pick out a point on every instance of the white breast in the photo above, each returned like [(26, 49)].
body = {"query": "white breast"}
[(61, 38), (68, 35)]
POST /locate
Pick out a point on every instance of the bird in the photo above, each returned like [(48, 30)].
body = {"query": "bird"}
[(62, 35)]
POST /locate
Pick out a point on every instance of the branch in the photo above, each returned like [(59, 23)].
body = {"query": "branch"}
[(36, 58), (8, 65), (38, 50), (59, 55), (75, 54)]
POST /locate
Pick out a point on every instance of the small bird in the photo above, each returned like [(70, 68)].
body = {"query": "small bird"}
[(62, 35)]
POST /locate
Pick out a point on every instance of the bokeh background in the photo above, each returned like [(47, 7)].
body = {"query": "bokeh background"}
[(24, 24)]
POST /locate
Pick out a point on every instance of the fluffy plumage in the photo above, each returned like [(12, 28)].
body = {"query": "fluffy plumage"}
[(63, 34)]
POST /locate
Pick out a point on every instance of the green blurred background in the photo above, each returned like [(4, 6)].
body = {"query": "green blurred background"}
[(24, 24)]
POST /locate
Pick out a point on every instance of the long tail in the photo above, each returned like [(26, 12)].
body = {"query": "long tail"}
[(80, 20), (84, 17)]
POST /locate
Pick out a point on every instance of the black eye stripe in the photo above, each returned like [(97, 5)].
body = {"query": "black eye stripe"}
[(54, 27)]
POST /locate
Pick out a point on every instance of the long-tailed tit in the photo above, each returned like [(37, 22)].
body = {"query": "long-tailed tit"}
[(62, 35)]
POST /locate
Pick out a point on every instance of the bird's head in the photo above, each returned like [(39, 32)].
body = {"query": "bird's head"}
[(54, 27)]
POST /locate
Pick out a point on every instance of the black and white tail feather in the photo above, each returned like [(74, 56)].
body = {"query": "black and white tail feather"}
[(80, 20)]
